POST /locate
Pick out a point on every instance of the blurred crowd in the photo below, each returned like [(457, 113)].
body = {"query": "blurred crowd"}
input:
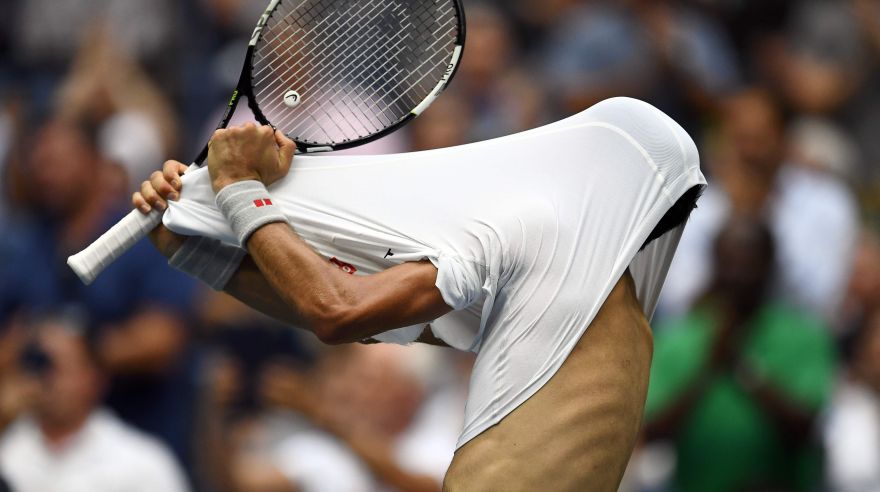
[(766, 373)]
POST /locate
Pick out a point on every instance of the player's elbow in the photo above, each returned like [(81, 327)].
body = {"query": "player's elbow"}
[(334, 326), (330, 334)]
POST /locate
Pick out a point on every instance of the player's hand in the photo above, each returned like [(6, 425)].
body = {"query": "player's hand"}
[(162, 187), (248, 152)]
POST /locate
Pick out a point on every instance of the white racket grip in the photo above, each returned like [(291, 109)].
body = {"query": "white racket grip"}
[(90, 262)]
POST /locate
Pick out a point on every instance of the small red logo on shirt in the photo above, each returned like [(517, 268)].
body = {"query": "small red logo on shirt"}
[(265, 202), (345, 267)]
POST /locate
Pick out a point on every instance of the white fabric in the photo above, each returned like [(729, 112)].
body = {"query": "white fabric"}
[(428, 444), (815, 223), (317, 462), (852, 438), (529, 232), (104, 456)]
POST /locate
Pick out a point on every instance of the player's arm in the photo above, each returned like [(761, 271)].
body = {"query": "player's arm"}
[(284, 277), (246, 285), (250, 286), (336, 306), (339, 307)]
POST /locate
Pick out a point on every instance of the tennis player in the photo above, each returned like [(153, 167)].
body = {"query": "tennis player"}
[(488, 247)]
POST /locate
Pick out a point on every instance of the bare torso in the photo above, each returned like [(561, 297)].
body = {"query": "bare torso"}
[(578, 431)]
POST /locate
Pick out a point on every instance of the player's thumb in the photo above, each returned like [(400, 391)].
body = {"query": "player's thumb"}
[(286, 148)]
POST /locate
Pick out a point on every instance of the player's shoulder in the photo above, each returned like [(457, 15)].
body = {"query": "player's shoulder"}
[(660, 138)]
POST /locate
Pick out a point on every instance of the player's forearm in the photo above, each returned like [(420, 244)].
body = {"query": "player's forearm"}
[(249, 286), (165, 241), (336, 306)]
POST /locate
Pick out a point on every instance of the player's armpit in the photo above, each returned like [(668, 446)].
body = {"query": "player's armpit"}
[(342, 308), (427, 337)]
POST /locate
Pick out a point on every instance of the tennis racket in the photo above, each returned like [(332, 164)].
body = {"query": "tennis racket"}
[(330, 74)]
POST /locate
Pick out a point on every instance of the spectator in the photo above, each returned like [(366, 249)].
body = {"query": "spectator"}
[(446, 125), (852, 430), (812, 214), (362, 420), (375, 405), (17, 389), (825, 57), (502, 98), (737, 383), (67, 442), (90, 63), (49, 31), (661, 51), (142, 336), (136, 125), (863, 294), (829, 70)]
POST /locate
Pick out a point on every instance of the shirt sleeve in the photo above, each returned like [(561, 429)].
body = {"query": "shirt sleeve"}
[(460, 282)]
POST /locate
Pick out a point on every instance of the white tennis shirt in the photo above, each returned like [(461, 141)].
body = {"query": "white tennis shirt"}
[(529, 232)]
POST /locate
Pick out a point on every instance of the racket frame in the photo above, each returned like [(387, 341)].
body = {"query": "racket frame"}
[(90, 262), (245, 88)]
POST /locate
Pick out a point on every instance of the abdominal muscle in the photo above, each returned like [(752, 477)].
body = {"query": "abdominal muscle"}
[(578, 431)]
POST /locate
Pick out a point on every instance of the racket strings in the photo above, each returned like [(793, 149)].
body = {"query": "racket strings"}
[(358, 66), (336, 93), (334, 98)]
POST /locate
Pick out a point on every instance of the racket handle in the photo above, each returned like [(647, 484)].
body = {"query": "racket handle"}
[(90, 262)]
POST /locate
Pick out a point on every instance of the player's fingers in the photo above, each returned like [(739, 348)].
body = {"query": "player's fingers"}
[(151, 196), (162, 186), (171, 171), (139, 203), (218, 134), (266, 133), (286, 148)]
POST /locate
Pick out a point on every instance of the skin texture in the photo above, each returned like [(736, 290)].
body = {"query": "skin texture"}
[(590, 411), (591, 408), (292, 282)]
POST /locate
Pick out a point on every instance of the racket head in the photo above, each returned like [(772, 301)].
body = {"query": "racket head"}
[(335, 74)]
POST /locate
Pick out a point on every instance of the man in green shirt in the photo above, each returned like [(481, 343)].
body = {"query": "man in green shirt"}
[(737, 383)]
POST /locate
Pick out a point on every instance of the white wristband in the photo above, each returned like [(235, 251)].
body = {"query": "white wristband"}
[(247, 206)]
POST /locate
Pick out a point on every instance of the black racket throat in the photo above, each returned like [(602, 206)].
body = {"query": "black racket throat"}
[(242, 90)]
